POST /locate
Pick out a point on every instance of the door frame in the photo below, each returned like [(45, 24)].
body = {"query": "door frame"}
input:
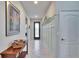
[(34, 31)]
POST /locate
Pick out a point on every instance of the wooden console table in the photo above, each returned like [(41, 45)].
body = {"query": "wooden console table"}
[(12, 52)]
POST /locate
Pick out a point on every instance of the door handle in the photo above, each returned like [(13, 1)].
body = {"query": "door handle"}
[(62, 39)]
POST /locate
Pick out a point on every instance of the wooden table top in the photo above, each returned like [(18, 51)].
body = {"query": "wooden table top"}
[(12, 50)]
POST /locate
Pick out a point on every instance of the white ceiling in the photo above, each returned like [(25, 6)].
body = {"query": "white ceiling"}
[(33, 10)]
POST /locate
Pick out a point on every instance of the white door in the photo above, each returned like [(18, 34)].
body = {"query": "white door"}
[(69, 34)]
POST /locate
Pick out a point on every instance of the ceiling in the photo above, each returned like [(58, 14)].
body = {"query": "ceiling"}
[(36, 10)]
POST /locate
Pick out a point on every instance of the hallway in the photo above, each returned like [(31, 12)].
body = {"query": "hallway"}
[(51, 29)]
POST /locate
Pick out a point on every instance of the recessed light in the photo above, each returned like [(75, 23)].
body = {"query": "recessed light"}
[(36, 16), (35, 2)]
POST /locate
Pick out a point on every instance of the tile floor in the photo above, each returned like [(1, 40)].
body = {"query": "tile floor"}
[(36, 49)]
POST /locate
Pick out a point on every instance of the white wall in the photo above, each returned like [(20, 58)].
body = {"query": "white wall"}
[(51, 10), (5, 41), (67, 13), (49, 36), (28, 30), (49, 30)]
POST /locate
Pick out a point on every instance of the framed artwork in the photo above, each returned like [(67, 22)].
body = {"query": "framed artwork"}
[(12, 15)]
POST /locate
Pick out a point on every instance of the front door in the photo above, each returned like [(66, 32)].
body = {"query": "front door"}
[(36, 30)]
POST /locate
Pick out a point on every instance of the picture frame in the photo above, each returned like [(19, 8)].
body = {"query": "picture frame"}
[(12, 15)]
